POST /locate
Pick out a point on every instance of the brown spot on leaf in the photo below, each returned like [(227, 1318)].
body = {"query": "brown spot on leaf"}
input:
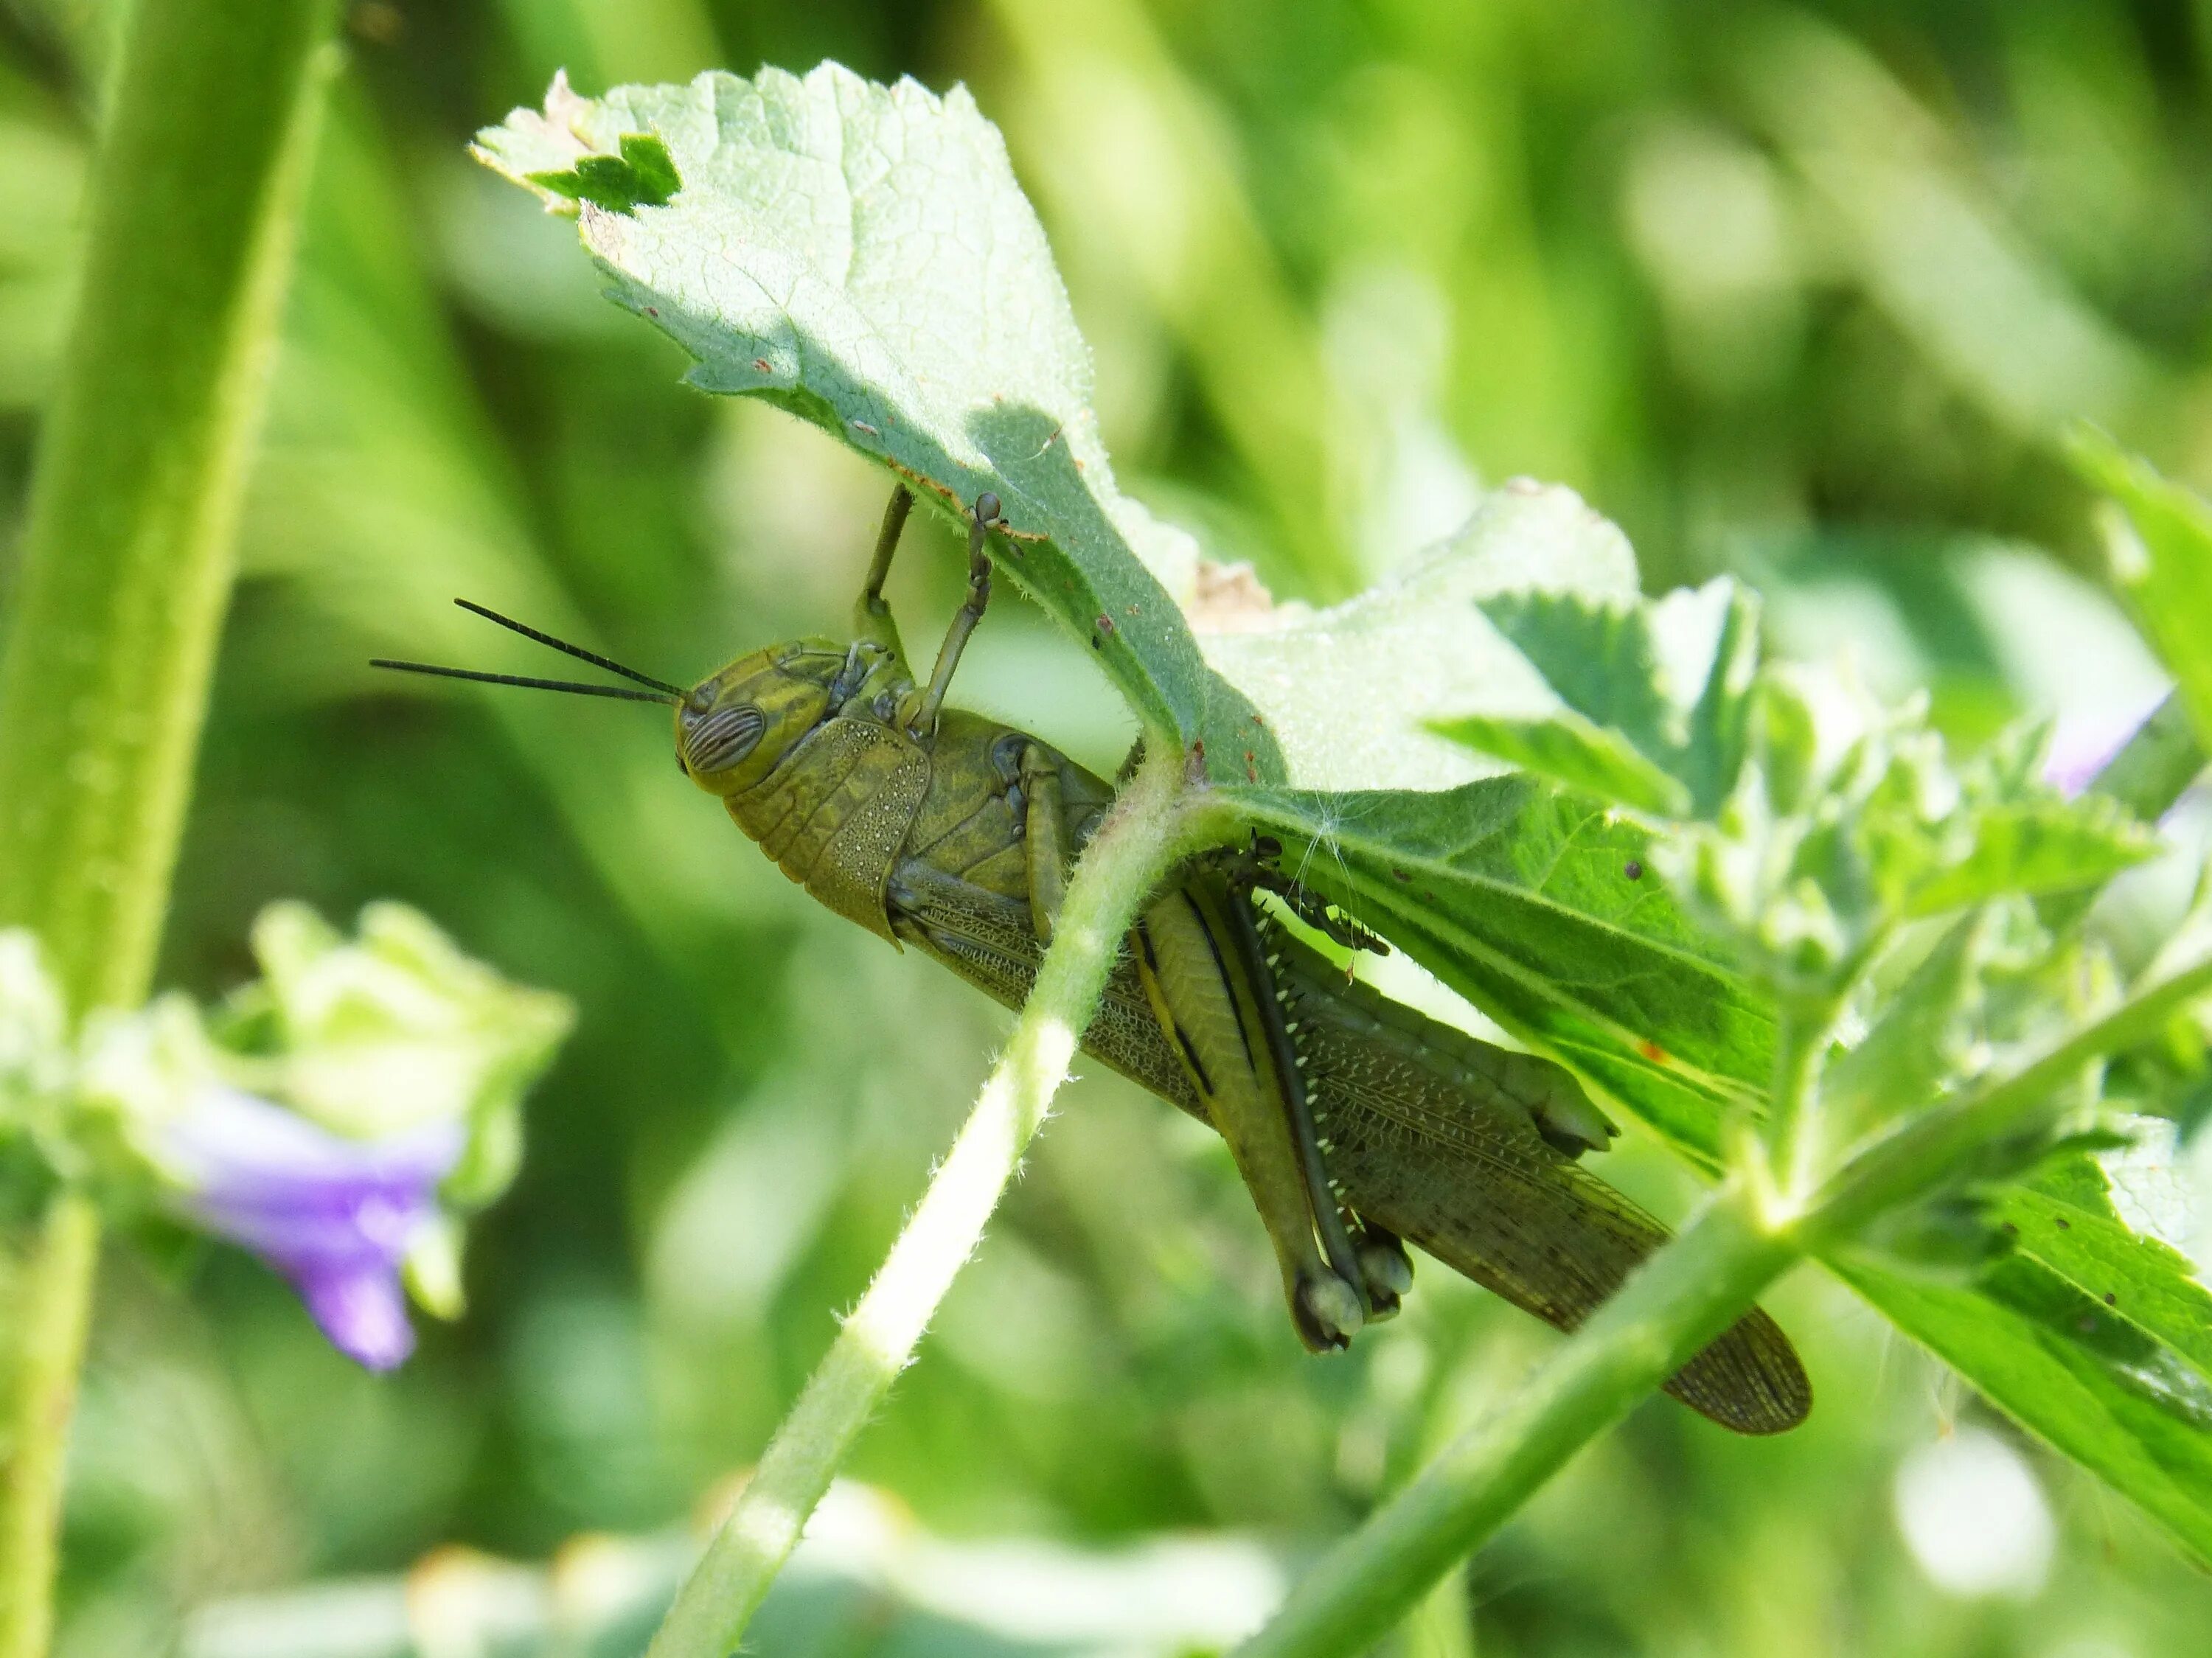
[(1652, 1051), (762, 365), (1229, 599)]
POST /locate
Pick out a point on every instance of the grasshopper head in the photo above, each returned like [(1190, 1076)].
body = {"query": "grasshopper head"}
[(732, 727)]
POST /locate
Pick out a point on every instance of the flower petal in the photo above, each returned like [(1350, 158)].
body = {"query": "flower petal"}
[(335, 1216)]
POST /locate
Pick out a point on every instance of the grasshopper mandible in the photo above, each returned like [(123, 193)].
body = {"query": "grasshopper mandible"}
[(1355, 1121)]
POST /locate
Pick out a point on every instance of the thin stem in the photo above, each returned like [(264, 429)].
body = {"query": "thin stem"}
[(1123, 863), (126, 563)]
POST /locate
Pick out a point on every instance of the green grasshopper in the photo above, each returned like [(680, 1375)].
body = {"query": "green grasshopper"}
[(1355, 1121)]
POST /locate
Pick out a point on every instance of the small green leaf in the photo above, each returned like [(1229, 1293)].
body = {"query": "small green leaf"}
[(861, 256), (1649, 702), (2134, 1277), (2160, 544), (1915, 1042), (640, 175)]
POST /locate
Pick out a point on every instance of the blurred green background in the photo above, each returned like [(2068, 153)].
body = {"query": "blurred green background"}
[(1800, 293)]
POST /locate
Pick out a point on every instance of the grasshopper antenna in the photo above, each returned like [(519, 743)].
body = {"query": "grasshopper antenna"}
[(568, 685), (662, 691), (576, 651)]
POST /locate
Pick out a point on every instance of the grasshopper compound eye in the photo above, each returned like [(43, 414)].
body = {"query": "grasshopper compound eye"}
[(719, 740)]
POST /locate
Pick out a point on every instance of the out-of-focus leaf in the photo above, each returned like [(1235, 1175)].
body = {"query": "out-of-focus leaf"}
[(2160, 549), (1809, 817), (2061, 1365), (1574, 752), (1914, 1041), (862, 256), (1539, 908), (1347, 690), (2034, 847)]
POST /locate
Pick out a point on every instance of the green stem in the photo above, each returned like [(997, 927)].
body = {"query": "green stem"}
[(126, 564), (1681, 1298), (53, 1314), (1123, 863)]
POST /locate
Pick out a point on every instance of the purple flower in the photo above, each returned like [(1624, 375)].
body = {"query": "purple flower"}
[(335, 1216)]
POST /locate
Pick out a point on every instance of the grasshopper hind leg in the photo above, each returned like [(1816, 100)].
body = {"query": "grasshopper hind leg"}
[(1201, 959)]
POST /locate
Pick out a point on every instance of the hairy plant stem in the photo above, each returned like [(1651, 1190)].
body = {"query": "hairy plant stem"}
[(126, 564), (1124, 862), (1681, 1298)]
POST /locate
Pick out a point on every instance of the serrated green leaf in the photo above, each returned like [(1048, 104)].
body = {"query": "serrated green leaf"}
[(2161, 557), (1347, 691), (2108, 1397), (1666, 684), (1541, 909), (1576, 754), (862, 256), (2137, 1279), (2034, 846)]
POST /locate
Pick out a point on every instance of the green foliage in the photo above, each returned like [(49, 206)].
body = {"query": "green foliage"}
[(1649, 702), (1820, 834), (1794, 301), (1807, 833), (1541, 909), (1814, 820)]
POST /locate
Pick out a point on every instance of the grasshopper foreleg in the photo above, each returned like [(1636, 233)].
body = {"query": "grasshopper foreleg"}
[(921, 721), (872, 614)]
